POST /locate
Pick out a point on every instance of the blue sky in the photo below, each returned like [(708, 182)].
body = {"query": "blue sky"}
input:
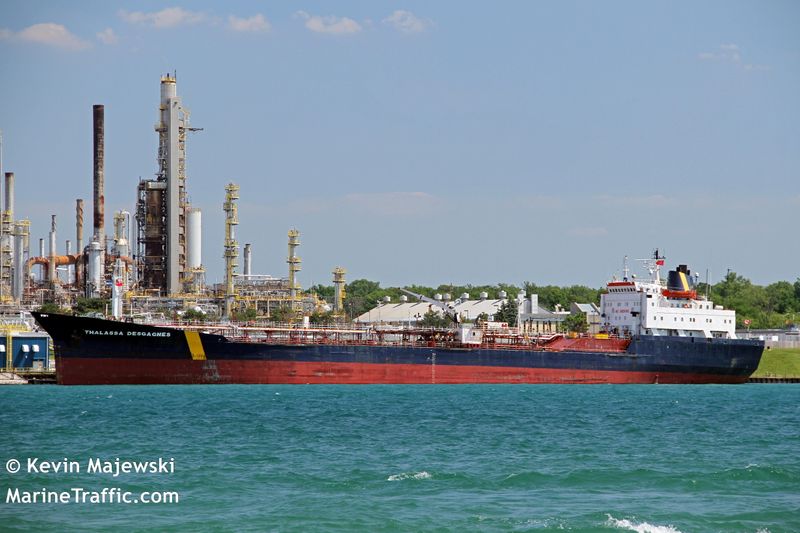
[(429, 142)]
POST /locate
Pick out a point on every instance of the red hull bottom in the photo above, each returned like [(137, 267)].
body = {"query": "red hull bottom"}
[(96, 371)]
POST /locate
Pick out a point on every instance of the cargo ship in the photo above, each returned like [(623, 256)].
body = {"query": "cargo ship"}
[(655, 331)]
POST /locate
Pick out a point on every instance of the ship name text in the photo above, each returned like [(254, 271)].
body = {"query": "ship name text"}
[(96, 332)]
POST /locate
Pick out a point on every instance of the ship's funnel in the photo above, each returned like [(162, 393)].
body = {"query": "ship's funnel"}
[(678, 279)]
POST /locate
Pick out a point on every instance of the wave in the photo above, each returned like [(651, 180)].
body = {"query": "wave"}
[(409, 475), (756, 472), (642, 527)]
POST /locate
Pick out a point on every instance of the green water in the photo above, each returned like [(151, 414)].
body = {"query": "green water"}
[(412, 458)]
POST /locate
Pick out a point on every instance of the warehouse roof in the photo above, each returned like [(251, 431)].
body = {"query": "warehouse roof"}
[(413, 311)]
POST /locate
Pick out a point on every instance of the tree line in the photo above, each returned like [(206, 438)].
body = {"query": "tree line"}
[(363, 295), (776, 305)]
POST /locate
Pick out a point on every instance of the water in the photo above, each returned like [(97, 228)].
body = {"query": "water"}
[(414, 458)]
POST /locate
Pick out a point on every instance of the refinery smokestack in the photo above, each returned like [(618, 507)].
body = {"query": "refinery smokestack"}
[(79, 225), (8, 225), (51, 263), (99, 173), (9, 199)]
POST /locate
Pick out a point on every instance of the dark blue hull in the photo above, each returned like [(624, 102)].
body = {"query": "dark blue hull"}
[(91, 350)]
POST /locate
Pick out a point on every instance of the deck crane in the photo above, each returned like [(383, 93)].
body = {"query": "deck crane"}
[(448, 309)]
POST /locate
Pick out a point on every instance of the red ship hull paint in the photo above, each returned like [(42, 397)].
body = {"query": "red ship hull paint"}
[(99, 371)]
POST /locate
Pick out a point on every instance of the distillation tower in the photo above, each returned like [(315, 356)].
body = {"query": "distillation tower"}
[(339, 290), (231, 246), (7, 237), (163, 206), (294, 266)]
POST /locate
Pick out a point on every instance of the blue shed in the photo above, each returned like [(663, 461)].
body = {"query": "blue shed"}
[(25, 350)]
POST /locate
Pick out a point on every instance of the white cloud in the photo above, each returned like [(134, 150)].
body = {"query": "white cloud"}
[(756, 67), (107, 36), (407, 22), (256, 23), (727, 53), (48, 33), (169, 17), (329, 24), (731, 54)]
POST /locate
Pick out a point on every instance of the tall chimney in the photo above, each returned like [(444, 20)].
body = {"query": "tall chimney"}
[(51, 262), (79, 225), (99, 173), (9, 200), (8, 220)]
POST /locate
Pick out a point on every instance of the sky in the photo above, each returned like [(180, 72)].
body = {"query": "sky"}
[(428, 142)]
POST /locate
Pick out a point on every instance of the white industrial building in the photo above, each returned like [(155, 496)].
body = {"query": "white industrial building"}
[(405, 312), (533, 318)]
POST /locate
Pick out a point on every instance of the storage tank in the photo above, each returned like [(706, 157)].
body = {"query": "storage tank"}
[(95, 275), (194, 238), (248, 261)]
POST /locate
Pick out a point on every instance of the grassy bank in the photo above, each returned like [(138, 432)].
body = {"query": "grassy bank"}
[(780, 363)]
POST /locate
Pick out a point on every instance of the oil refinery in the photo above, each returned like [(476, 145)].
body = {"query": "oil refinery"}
[(150, 264)]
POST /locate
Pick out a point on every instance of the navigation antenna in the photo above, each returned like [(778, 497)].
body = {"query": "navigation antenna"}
[(653, 265)]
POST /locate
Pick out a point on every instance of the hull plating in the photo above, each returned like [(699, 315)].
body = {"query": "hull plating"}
[(93, 371), (93, 351)]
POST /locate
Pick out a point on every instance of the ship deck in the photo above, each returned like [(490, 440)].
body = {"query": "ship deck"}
[(505, 339)]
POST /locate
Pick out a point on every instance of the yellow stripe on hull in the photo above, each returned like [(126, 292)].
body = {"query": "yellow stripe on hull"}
[(195, 345)]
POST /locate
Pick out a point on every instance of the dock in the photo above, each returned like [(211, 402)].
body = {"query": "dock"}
[(774, 380), (28, 377)]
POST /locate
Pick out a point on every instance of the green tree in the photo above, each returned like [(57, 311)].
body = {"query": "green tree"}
[(325, 292), (321, 317), (507, 312), (51, 307), (194, 315), (362, 295), (91, 305), (748, 300), (576, 323), (281, 314), (551, 295), (245, 315), (780, 297), (432, 319)]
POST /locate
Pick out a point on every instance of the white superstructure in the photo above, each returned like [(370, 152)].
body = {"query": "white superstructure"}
[(657, 307)]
